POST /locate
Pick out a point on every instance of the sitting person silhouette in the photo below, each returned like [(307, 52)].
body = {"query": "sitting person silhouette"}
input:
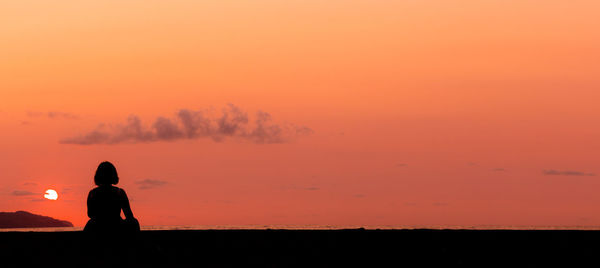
[(105, 203)]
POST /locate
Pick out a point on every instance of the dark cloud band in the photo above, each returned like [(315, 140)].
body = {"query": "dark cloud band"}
[(150, 184), (22, 193), (53, 115), (552, 172)]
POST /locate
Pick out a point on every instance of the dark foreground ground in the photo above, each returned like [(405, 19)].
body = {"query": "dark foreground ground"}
[(305, 248)]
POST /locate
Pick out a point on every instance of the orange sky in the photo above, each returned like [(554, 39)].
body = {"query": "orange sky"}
[(422, 113)]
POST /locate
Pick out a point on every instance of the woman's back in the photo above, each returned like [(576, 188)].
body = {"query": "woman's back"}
[(105, 202)]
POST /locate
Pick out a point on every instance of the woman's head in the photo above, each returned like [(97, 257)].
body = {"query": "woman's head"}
[(106, 174)]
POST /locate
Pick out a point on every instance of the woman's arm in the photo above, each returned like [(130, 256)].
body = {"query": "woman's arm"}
[(125, 205), (91, 206)]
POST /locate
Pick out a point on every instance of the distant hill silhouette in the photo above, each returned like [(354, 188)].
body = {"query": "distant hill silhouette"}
[(24, 219)]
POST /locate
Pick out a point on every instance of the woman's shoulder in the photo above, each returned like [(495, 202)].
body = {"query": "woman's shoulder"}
[(122, 192), (95, 190)]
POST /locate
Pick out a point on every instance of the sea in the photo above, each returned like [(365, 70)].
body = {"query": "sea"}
[(310, 227)]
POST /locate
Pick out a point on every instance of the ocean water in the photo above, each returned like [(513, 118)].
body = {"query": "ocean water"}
[(308, 227)]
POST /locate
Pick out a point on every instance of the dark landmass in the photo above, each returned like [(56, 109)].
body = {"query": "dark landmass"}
[(24, 219), (306, 248)]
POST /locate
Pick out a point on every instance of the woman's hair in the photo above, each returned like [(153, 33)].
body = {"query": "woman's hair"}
[(106, 174)]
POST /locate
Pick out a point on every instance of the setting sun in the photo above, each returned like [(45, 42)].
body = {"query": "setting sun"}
[(51, 194)]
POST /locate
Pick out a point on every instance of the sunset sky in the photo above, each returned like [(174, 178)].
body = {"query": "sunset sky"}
[(341, 113)]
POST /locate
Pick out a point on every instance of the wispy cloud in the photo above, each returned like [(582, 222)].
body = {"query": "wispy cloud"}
[(53, 115), (150, 184), (22, 193), (552, 172), (301, 187), (189, 124)]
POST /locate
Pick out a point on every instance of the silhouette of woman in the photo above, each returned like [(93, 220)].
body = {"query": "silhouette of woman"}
[(105, 203)]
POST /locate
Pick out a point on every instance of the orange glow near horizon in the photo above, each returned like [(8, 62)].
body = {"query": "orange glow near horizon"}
[(421, 113)]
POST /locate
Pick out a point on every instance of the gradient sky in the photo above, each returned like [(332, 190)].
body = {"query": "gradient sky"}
[(421, 113)]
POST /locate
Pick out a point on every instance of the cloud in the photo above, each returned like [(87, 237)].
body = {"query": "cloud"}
[(61, 115), (232, 122), (150, 184), (301, 188), (584, 219), (29, 183), (499, 169), (22, 193), (552, 172), (53, 115)]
